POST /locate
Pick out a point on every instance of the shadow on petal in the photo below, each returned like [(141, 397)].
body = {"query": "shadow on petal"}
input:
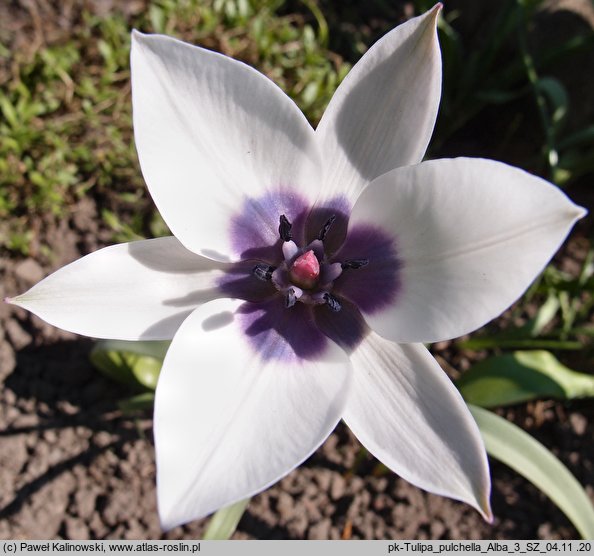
[(174, 258), (239, 282), (166, 328), (220, 320), (347, 328), (278, 333)]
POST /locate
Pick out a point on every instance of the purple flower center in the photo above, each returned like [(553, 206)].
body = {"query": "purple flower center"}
[(306, 274), (305, 278)]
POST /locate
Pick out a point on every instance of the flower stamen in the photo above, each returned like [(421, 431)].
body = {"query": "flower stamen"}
[(332, 302), (284, 228), (290, 298), (354, 264), (263, 272), (305, 274), (326, 227)]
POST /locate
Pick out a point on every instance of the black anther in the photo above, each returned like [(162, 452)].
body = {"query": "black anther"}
[(332, 302), (291, 298), (324, 231), (284, 228), (263, 272), (354, 264)]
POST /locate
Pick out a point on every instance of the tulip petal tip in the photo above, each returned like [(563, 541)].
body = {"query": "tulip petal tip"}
[(488, 516), (435, 10), (484, 508), (576, 212), (138, 37)]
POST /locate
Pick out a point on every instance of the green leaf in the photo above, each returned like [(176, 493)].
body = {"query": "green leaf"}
[(517, 449), (584, 136), (9, 112), (223, 524), (142, 401), (506, 342), (557, 96), (499, 96), (545, 315), (132, 363), (521, 376)]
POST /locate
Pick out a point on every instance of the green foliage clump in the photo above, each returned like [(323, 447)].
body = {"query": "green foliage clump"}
[(66, 126)]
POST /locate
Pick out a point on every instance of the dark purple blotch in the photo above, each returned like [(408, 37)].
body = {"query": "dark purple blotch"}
[(346, 328), (278, 333), (319, 216), (301, 331), (376, 285)]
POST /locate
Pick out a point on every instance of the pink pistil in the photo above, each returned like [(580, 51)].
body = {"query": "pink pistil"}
[(305, 271)]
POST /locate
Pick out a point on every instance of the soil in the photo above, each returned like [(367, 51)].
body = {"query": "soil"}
[(73, 466)]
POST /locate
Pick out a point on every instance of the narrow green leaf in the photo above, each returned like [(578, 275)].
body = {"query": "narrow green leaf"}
[(223, 524), (512, 446), (145, 400), (545, 315), (557, 96), (587, 268), (585, 330), (9, 112), (497, 96), (503, 342), (155, 349), (521, 376), (584, 136), (133, 363), (313, 7)]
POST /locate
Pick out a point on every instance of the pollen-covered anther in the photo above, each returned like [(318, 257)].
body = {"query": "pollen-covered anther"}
[(284, 228), (355, 264), (263, 272), (290, 298), (305, 270), (332, 302), (326, 227)]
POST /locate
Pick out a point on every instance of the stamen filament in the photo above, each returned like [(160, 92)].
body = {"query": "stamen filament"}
[(290, 249)]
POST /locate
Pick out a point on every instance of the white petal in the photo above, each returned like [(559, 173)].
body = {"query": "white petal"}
[(212, 132), (132, 291), (470, 234), (407, 413), (382, 115), (228, 421)]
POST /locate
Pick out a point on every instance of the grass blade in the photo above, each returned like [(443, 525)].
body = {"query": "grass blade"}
[(223, 523)]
